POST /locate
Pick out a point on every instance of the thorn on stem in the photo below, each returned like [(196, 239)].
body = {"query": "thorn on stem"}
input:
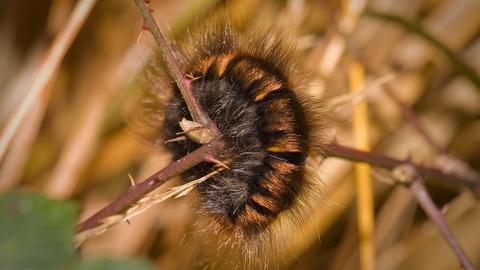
[(409, 157), (191, 77), (210, 158), (144, 28), (132, 181), (147, 4)]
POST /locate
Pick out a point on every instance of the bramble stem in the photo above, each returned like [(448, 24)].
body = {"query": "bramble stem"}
[(138, 191), (215, 147), (435, 176), (197, 112), (333, 149), (410, 116), (421, 194), (408, 175)]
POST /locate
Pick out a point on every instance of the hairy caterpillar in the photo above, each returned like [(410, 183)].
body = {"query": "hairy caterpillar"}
[(253, 85)]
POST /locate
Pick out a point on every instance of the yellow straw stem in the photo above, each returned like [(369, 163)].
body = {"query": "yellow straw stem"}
[(363, 180)]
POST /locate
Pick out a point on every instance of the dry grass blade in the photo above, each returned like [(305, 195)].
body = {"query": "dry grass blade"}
[(363, 179), (45, 71), (423, 76), (362, 94), (457, 62), (139, 207)]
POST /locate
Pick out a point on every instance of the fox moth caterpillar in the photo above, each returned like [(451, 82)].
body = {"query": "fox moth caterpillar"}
[(254, 86)]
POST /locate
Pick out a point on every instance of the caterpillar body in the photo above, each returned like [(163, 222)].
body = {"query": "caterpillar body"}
[(253, 87)]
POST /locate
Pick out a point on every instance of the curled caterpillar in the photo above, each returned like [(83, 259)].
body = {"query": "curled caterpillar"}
[(253, 87)]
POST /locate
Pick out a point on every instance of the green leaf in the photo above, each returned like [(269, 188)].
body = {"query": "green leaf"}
[(35, 232)]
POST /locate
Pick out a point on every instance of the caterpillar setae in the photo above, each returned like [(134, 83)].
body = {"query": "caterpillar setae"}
[(253, 85)]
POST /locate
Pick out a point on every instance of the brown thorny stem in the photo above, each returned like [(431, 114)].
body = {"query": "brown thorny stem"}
[(413, 120), (204, 153), (215, 147), (197, 112), (427, 204), (407, 175)]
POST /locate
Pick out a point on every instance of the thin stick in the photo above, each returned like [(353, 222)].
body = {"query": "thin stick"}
[(435, 176), (197, 112), (45, 71), (414, 182), (138, 191), (204, 153), (139, 207), (421, 194), (216, 146), (458, 64), (410, 116)]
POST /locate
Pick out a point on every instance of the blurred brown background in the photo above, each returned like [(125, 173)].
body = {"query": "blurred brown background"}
[(75, 142)]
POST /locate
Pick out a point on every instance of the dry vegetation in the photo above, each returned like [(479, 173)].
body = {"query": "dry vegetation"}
[(75, 143)]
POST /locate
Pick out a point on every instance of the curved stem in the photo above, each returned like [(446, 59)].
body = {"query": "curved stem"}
[(197, 112), (427, 204), (435, 176), (138, 191)]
